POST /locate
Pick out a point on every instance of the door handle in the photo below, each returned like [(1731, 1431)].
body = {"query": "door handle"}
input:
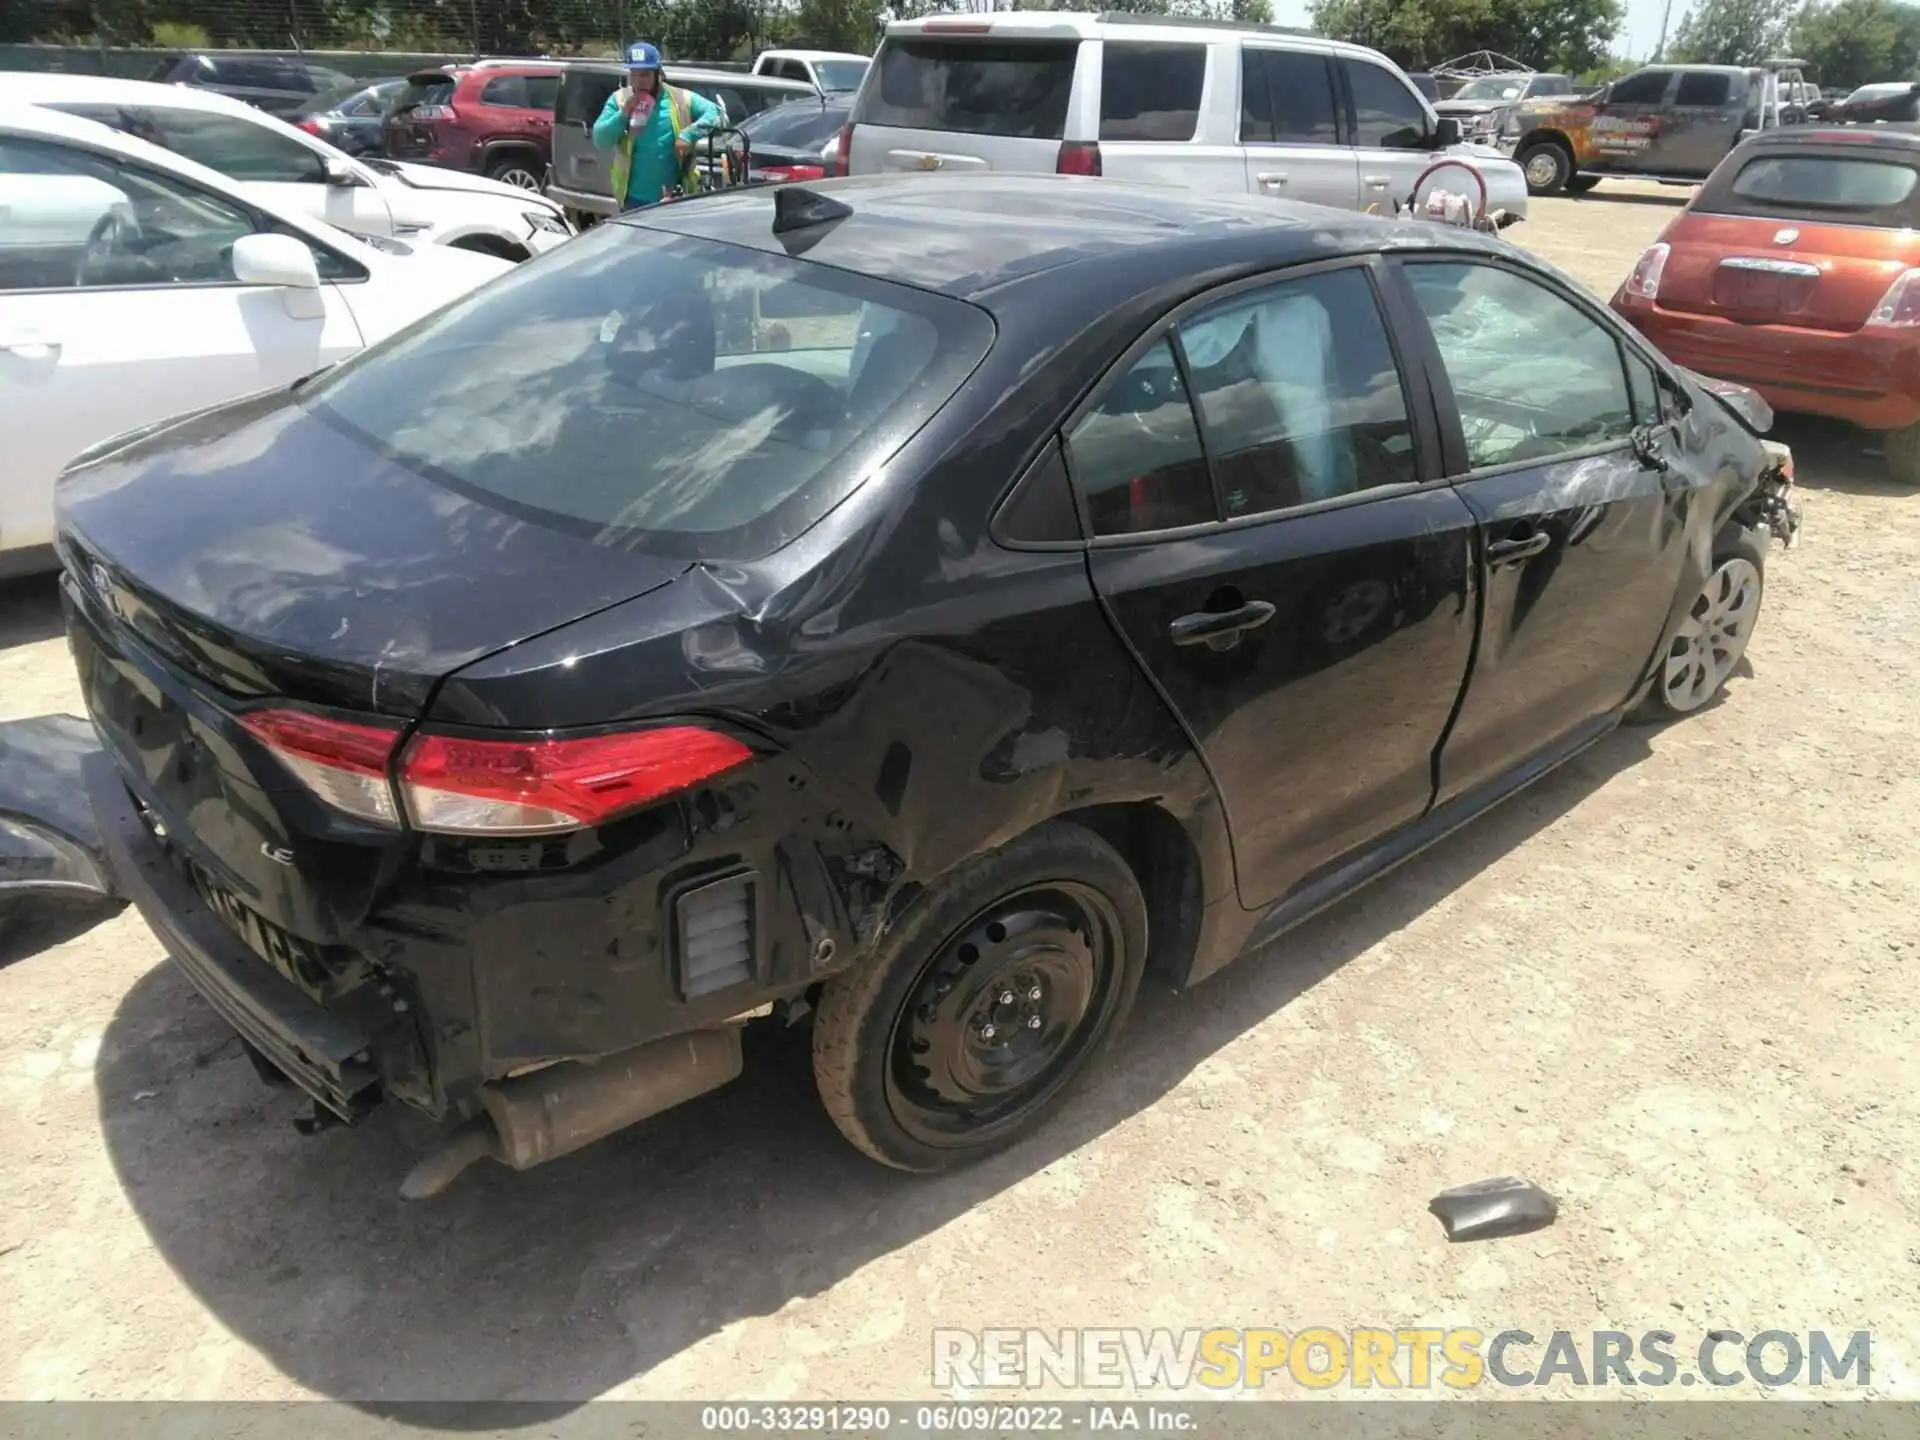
[(1513, 551), (1207, 626), (1378, 182), (1272, 177)]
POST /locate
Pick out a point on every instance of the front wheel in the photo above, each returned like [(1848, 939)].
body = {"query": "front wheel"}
[(1712, 637), (1547, 167), (1903, 454), (519, 171), (984, 1003)]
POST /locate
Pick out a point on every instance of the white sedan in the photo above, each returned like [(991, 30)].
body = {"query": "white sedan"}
[(135, 286), (373, 198)]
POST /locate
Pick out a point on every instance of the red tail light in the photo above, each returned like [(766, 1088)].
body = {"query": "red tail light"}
[(780, 174), (1644, 282), (344, 764), (312, 127), (1899, 308), (459, 786), (840, 157), (432, 112), (1078, 157)]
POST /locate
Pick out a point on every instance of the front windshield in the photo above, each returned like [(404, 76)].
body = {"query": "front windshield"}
[(840, 74), (660, 392), (1493, 87)]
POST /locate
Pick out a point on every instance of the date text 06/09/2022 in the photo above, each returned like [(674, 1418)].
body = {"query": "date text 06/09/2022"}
[(943, 1418)]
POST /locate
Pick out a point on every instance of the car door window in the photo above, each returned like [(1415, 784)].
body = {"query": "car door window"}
[(508, 91), (1387, 115), (1150, 92), (73, 218), (1704, 88), (1533, 375), (543, 91), (1644, 383), (1298, 393), (1136, 456), (1645, 88), (1286, 97)]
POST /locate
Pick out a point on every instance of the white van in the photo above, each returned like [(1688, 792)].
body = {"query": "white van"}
[(1210, 105)]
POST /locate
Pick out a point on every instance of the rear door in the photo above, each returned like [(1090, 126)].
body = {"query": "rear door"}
[(1801, 235), (518, 110), (1582, 542), (1270, 537), (1290, 136), (579, 165), (129, 316), (1392, 131), (1704, 118), (1151, 124), (969, 102)]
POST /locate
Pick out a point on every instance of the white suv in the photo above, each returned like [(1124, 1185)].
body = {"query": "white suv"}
[(368, 197), (1207, 105)]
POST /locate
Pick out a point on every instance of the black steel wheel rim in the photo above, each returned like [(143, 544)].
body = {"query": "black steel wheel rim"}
[(1003, 1014)]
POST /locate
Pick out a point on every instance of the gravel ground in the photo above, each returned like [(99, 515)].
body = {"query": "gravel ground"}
[(1669, 983)]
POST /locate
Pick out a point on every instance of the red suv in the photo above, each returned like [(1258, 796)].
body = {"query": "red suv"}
[(493, 118)]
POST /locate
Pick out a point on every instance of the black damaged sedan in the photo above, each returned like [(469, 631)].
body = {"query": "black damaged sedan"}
[(919, 607)]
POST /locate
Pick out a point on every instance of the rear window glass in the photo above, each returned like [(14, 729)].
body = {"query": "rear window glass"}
[(583, 95), (1824, 182), (661, 392), (1150, 92), (1644, 88), (424, 91), (1015, 89), (798, 126), (509, 90)]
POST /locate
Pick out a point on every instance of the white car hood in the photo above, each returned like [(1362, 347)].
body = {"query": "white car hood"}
[(432, 177), (405, 287)]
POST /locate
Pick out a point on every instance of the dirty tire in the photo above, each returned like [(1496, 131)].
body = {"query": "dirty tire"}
[(1581, 184), (1547, 167), (1679, 689), (520, 171), (910, 1044), (1903, 454)]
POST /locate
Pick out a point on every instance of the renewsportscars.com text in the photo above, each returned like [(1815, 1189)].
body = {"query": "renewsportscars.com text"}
[(1403, 1358)]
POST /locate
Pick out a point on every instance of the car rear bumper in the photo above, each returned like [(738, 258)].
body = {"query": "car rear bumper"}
[(1865, 378), (327, 1055)]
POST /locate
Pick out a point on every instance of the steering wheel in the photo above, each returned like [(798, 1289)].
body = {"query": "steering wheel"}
[(110, 248)]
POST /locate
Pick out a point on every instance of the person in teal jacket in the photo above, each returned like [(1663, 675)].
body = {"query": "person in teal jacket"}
[(651, 126)]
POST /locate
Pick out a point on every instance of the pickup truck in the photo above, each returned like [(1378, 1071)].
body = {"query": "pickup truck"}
[(1671, 123)]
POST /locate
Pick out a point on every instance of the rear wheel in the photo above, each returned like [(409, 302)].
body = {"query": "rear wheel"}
[(1581, 184), (1903, 454), (1547, 167), (1712, 637), (520, 171), (985, 1002)]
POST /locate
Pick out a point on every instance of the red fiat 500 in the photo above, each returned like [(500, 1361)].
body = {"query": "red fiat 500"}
[(1796, 270)]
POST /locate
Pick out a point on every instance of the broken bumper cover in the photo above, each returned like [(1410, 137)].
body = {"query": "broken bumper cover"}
[(49, 844), (325, 1054)]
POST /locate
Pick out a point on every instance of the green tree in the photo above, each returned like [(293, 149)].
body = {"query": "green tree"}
[(1855, 42), (1733, 32), (1568, 35)]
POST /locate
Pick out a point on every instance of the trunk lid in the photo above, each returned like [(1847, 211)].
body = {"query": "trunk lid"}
[(963, 102), (265, 552), (1820, 277)]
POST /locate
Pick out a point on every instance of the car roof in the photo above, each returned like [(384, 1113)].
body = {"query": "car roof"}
[(47, 88), (1078, 25), (735, 78), (971, 235), (811, 55)]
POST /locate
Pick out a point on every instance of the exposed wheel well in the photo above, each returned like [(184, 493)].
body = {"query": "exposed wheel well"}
[(489, 245), (1550, 137), (1166, 864)]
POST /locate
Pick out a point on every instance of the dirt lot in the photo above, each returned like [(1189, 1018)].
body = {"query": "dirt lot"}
[(1670, 983)]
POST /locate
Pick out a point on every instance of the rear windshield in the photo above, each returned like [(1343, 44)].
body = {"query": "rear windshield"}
[(661, 392), (426, 90), (840, 74), (796, 126), (974, 87), (583, 95), (1853, 189)]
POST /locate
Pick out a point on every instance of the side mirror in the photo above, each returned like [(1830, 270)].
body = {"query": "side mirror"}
[(340, 173), (1446, 132), (274, 260)]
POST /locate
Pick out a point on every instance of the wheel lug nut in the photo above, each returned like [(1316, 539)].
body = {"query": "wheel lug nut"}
[(1034, 993), (1006, 997), (1033, 1022), (987, 1032)]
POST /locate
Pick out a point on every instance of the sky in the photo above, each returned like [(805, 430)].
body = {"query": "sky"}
[(1638, 35)]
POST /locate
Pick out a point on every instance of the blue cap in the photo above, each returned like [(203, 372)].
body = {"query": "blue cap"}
[(642, 56)]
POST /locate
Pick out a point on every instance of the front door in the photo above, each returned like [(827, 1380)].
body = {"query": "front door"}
[(129, 316), (1290, 128), (1393, 134), (1629, 122), (1582, 539), (1270, 542)]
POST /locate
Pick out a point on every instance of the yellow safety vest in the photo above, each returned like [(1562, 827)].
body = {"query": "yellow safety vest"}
[(623, 152)]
